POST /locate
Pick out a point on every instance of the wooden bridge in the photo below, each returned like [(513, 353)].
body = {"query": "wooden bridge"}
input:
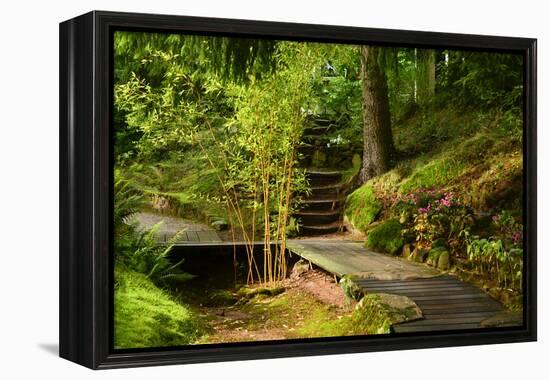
[(447, 303)]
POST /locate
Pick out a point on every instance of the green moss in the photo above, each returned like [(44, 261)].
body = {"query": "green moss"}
[(362, 207), (386, 237), (146, 316), (371, 318), (247, 292), (435, 173)]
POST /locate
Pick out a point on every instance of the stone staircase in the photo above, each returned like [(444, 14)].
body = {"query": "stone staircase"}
[(321, 212)]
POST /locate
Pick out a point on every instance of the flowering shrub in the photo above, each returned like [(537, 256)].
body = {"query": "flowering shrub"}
[(508, 229), (431, 214)]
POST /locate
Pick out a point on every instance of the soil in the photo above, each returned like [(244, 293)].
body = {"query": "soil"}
[(279, 317)]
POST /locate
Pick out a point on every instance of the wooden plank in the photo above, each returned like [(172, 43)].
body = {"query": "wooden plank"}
[(417, 286), (192, 236), (208, 236), (448, 321), (468, 306), (423, 291), (418, 283), (456, 302), (438, 315), (183, 237), (410, 280), (448, 297), (412, 328)]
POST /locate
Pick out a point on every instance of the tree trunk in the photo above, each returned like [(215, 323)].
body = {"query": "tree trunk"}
[(377, 135), (425, 73)]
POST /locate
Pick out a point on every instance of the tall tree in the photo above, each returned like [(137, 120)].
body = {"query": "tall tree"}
[(377, 134), (425, 74)]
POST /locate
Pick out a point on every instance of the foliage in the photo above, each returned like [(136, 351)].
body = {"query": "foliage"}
[(362, 207), (386, 237), (146, 316), (431, 215), (139, 250), (482, 79), (494, 258), (152, 259), (260, 155), (126, 201)]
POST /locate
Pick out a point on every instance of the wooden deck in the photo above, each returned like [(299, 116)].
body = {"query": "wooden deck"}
[(192, 237), (447, 303)]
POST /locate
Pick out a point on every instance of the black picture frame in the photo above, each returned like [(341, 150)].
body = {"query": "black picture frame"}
[(86, 264)]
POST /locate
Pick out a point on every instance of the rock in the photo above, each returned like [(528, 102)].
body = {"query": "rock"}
[(419, 255), (504, 319), (350, 288), (299, 268), (406, 251), (398, 309), (219, 225), (433, 256), (247, 292), (444, 261), (439, 257), (494, 293)]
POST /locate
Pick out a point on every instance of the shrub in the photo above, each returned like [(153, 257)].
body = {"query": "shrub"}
[(430, 215), (362, 207), (146, 316), (493, 258), (386, 237)]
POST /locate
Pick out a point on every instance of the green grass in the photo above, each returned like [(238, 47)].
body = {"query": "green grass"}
[(386, 237), (146, 316), (362, 207)]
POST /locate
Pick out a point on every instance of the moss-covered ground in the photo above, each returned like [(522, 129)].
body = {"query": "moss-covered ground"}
[(147, 316)]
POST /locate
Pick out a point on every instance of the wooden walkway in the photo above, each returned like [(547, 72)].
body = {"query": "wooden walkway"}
[(447, 303), (169, 226)]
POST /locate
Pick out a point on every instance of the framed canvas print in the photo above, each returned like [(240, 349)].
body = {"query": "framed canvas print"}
[(237, 189)]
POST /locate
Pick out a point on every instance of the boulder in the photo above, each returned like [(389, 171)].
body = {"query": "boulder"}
[(444, 261), (350, 288), (439, 257), (406, 251), (419, 255), (398, 309), (299, 268), (504, 319), (251, 292), (219, 225)]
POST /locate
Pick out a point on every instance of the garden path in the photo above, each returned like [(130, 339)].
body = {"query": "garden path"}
[(190, 232), (447, 303)]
